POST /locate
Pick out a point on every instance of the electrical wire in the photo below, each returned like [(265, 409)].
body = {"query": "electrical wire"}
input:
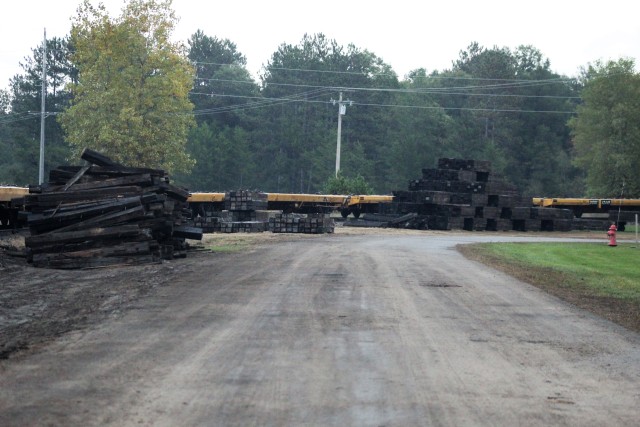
[(16, 117), (316, 90), (261, 103), (273, 101), (435, 91)]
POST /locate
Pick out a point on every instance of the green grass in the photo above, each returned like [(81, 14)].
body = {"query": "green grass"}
[(595, 267)]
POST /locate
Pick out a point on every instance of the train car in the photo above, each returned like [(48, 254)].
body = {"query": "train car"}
[(580, 206), (201, 202), (357, 204), (10, 204), (305, 203)]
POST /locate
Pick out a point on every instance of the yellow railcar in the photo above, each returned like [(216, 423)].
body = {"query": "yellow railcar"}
[(8, 208), (581, 206), (298, 202)]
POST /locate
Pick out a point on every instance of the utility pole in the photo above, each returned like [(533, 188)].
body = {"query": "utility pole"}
[(342, 110), (42, 109)]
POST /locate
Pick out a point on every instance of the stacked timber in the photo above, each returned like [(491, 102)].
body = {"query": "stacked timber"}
[(209, 220), (243, 227), (591, 224), (105, 213), (541, 219), (244, 212), (245, 201), (317, 223), (248, 212), (465, 194), (373, 220)]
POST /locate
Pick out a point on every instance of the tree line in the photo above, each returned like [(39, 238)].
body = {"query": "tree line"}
[(120, 85)]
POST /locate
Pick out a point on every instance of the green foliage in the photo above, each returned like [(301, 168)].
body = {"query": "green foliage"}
[(606, 130), (131, 99), (5, 103), (531, 149), (220, 142), (222, 82), (224, 161), (419, 137), (342, 185), (138, 99), (296, 142), (470, 111), (20, 127)]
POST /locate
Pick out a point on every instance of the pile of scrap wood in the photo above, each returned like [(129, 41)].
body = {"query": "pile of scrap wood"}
[(105, 213)]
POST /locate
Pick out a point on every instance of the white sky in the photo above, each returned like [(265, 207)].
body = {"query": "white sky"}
[(406, 34)]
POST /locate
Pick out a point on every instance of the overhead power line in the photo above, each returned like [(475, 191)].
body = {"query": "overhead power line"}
[(271, 101), (431, 91), (261, 101), (16, 117)]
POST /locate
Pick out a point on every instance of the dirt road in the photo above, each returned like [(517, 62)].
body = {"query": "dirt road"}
[(337, 330)]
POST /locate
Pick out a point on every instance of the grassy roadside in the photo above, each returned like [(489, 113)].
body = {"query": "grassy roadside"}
[(595, 277), (245, 242), (229, 243)]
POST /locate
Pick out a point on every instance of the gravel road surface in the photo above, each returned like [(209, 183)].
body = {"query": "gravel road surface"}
[(376, 330)]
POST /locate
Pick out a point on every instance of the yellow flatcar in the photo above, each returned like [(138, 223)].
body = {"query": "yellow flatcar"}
[(581, 206), (8, 208)]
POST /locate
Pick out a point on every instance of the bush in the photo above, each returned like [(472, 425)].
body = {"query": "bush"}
[(344, 185)]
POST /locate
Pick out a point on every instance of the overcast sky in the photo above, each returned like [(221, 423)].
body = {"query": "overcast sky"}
[(405, 34)]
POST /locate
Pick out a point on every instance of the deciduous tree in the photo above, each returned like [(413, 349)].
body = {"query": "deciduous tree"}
[(131, 99), (606, 130)]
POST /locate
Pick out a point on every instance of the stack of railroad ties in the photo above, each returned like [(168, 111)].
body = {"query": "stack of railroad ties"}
[(105, 213), (245, 211), (465, 195)]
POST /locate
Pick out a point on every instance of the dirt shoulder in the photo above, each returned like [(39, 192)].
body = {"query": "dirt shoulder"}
[(39, 304)]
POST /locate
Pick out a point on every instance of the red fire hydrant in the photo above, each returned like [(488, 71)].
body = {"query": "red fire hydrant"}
[(612, 235)]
